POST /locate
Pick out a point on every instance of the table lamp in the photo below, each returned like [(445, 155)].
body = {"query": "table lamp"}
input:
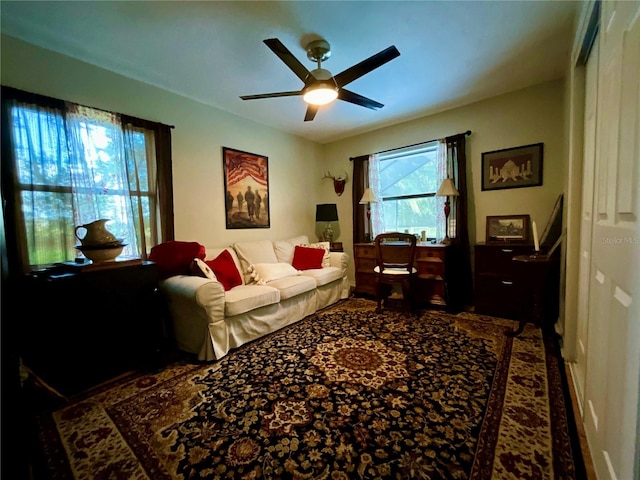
[(447, 189), (368, 197), (327, 212)]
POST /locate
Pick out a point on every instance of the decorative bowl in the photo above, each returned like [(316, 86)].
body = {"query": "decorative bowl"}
[(101, 255), (101, 246)]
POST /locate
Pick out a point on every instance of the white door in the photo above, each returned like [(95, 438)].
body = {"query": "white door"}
[(613, 350), (589, 154)]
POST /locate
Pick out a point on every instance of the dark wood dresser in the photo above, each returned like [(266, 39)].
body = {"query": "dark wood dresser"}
[(434, 272), (498, 287)]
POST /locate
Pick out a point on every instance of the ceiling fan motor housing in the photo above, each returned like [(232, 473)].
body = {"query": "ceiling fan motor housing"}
[(321, 74), (318, 50)]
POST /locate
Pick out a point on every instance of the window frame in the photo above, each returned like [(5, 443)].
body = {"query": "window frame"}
[(156, 197), (399, 154)]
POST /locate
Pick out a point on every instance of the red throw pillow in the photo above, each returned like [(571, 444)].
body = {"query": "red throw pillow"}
[(225, 269), (174, 257), (305, 258)]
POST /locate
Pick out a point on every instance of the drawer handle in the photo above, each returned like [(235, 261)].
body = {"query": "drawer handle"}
[(507, 250), (506, 282)]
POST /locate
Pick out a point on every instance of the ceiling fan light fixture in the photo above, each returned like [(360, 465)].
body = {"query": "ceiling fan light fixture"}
[(320, 93)]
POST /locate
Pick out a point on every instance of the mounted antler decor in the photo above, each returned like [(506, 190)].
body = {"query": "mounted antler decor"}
[(338, 182)]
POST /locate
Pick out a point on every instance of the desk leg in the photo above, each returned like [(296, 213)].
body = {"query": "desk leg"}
[(517, 331)]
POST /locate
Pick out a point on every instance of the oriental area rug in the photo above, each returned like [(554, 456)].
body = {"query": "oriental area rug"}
[(346, 393)]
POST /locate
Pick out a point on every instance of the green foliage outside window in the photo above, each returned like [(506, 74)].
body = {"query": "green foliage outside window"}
[(408, 184)]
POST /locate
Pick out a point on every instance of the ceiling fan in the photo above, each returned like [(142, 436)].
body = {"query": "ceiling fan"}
[(320, 87)]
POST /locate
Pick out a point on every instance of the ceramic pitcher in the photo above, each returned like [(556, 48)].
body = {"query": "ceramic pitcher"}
[(95, 233)]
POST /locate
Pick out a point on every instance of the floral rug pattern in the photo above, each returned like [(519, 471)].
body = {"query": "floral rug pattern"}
[(346, 393)]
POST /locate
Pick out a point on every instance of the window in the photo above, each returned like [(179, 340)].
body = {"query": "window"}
[(408, 181), (69, 165)]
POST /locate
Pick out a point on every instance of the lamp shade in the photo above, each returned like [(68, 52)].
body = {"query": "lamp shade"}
[(368, 197), (326, 212), (447, 189)]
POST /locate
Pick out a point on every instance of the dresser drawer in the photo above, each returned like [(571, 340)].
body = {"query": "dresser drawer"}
[(430, 254), (429, 269), (365, 265), (497, 296), (498, 259), (431, 291), (364, 251), (366, 283), (430, 262)]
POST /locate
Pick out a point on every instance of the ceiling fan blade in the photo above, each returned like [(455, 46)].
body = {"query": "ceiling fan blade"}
[(271, 95), (287, 57), (364, 67), (311, 112), (351, 97)]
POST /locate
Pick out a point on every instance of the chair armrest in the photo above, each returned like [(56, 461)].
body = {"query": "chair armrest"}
[(203, 291), (340, 260), (195, 305)]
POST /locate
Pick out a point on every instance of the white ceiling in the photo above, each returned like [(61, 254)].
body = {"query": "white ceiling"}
[(451, 52)]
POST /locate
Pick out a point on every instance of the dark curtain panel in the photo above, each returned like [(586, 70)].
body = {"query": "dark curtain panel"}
[(462, 289), (165, 182), (164, 178), (164, 168), (359, 211)]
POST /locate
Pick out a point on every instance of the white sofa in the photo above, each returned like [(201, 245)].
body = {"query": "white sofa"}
[(209, 321)]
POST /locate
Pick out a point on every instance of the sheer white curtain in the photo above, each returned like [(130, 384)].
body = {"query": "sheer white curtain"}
[(377, 211), (442, 174), (142, 172), (99, 171)]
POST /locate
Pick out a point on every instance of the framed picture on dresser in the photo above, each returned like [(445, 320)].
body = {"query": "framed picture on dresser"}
[(508, 229)]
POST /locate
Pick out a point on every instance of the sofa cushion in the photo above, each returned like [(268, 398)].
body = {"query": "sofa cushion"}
[(325, 275), (326, 260), (261, 273), (201, 269), (259, 251), (284, 248), (244, 298), (293, 286), (225, 270), (305, 258), (174, 257)]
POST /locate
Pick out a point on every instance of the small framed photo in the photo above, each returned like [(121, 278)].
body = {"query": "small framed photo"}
[(508, 229), (512, 167)]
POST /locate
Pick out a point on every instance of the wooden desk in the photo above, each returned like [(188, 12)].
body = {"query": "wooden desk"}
[(434, 265)]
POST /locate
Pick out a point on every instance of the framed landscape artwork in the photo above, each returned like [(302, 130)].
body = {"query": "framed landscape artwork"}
[(512, 167), (246, 186), (507, 229)]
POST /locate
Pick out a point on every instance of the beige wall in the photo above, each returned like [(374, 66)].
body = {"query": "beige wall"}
[(296, 166), (524, 117), (199, 135)]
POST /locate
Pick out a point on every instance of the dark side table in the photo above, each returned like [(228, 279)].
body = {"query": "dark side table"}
[(539, 274), (87, 324)]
